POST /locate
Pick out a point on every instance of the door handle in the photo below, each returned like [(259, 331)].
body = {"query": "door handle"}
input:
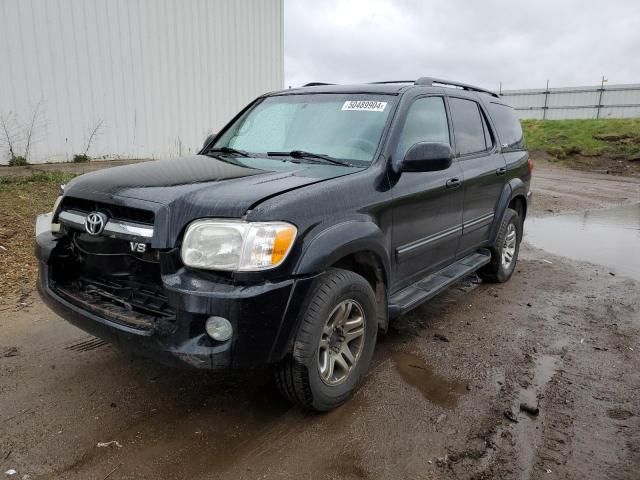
[(501, 171), (453, 183)]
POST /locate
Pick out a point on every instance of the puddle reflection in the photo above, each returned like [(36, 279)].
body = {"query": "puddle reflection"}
[(607, 237)]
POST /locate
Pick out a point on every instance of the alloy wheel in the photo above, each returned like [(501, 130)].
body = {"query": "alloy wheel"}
[(509, 246), (341, 342)]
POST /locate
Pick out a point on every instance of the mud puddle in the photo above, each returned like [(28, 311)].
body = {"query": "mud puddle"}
[(526, 433), (434, 388), (608, 237)]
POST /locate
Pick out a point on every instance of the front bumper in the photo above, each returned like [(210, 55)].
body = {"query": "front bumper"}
[(263, 317)]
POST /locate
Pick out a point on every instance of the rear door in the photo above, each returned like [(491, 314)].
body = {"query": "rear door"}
[(483, 167), (427, 206)]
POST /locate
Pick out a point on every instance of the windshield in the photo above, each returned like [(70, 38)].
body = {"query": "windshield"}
[(343, 126)]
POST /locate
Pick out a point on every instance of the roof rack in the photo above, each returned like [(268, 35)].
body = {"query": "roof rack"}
[(427, 81), (390, 81), (447, 83)]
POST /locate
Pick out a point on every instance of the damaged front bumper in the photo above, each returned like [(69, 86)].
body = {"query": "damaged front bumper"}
[(262, 315)]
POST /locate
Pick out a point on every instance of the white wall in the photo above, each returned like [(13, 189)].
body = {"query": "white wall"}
[(161, 74)]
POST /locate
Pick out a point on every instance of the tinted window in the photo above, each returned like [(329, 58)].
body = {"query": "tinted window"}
[(508, 126), (488, 139), (426, 122), (467, 126)]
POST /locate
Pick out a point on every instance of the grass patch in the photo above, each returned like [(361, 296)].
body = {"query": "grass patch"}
[(561, 139), (81, 158), (53, 178), (18, 161)]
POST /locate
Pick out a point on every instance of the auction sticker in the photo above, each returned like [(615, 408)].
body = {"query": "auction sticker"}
[(364, 105)]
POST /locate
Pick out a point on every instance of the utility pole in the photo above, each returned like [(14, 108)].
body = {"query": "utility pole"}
[(546, 102), (599, 106)]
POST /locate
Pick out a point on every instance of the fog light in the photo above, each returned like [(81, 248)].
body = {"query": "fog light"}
[(219, 328)]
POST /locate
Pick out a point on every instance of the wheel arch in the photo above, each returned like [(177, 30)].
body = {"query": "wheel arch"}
[(513, 195), (344, 240), (355, 245)]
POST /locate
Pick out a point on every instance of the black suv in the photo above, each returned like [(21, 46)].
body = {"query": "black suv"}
[(297, 232)]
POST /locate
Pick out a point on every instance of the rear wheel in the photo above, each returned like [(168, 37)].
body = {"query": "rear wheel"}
[(504, 253), (333, 347)]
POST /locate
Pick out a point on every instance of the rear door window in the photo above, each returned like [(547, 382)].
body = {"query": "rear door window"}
[(508, 126), (467, 126)]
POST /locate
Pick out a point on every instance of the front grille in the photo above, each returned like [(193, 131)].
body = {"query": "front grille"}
[(118, 212), (132, 294), (125, 300), (97, 275)]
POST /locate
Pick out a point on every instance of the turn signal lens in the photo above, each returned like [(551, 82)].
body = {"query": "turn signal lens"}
[(266, 245), (282, 244)]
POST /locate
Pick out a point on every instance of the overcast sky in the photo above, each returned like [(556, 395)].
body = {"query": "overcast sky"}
[(483, 42)]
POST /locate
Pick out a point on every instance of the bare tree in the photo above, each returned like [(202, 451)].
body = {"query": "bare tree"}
[(10, 136), (95, 131), (30, 131)]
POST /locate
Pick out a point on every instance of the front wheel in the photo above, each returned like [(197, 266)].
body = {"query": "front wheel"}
[(334, 344), (504, 253)]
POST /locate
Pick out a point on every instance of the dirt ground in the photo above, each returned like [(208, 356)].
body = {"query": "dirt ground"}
[(441, 401)]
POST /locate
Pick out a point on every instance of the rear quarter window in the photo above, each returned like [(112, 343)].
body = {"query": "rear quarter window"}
[(508, 125)]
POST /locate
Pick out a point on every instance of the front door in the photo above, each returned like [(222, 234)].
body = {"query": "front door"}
[(484, 170), (427, 206)]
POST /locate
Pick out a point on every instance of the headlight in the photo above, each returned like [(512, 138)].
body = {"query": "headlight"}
[(237, 245)]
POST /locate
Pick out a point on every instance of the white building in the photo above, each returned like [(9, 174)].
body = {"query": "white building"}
[(157, 76)]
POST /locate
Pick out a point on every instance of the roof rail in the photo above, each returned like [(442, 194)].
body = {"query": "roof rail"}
[(390, 81), (317, 84), (438, 81)]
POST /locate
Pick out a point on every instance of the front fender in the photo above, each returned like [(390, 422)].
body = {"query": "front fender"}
[(323, 249), (340, 240)]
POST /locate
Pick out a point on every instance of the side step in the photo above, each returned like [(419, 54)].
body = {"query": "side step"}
[(421, 291)]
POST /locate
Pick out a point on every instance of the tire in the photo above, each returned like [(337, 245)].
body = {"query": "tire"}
[(510, 232), (299, 377)]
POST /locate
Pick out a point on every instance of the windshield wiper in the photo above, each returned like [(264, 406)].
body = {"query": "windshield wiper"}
[(242, 153), (303, 154)]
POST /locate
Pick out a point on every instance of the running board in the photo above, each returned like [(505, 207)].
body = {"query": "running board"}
[(421, 291)]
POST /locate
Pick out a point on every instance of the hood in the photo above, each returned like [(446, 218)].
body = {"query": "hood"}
[(181, 190)]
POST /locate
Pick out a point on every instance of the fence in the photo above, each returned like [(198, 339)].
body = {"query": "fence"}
[(602, 101)]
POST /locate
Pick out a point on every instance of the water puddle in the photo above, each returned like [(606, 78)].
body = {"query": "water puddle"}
[(526, 434), (438, 390), (607, 237), (546, 367)]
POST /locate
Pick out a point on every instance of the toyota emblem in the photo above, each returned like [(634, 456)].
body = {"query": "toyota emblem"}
[(95, 222)]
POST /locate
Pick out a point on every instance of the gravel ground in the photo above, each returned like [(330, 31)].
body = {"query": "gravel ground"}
[(442, 399)]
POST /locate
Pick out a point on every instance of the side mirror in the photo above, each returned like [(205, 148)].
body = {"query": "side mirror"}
[(208, 139), (427, 157)]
